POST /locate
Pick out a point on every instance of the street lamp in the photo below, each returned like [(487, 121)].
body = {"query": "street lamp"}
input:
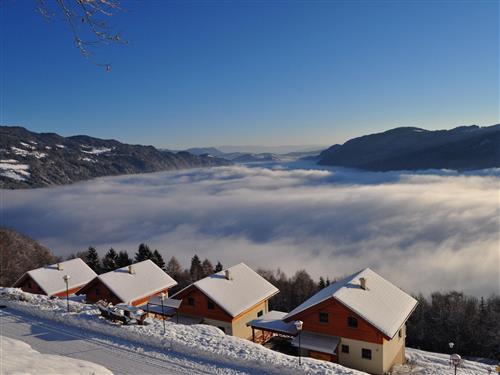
[(66, 280), (298, 326), (455, 360), (162, 297)]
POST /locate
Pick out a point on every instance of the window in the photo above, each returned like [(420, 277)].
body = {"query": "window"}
[(366, 353), (323, 317), (97, 291), (222, 329), (345, 348), (400, 333), (260, 313), (352, 322), (190, 301), (210, 305)]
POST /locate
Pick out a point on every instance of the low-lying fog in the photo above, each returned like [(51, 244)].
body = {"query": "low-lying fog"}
[(424, 231)]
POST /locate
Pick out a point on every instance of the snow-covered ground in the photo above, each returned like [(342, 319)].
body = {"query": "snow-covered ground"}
[(25, 153), (11, 168), (96, 150), (18, 357), (182, 349), (420, 362), (207, 348)]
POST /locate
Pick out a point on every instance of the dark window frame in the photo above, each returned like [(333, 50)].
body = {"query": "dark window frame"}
[(345, 349), (366, 353), (210, 305), (190, 301), (260, 313), (323, 317), (352, 322)]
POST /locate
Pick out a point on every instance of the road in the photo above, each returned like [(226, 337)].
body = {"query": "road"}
[(118, 356)]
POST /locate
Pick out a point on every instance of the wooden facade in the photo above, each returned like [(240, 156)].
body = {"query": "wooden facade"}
[(337, 324), (195, 303), (28, 285)]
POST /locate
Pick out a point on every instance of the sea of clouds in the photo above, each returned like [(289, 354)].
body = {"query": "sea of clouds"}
[(426, 231)]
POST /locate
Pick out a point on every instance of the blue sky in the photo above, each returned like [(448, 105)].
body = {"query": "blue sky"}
[(255, 72)]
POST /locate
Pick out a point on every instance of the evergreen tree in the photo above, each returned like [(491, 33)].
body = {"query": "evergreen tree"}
[(143, 253), (196, 270), (123, 259), (93, 260), (110, 261), (158, 259), (322, 283), (218, 267), (207, 268)]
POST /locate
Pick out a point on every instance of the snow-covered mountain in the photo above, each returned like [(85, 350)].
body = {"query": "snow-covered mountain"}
[(29, 159)]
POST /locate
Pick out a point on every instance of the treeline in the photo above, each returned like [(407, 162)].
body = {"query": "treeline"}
[(113, 260), (472, 324)]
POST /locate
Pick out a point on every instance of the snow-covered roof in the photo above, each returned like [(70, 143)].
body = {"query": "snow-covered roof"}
[(243, 290), (316, 341), (50, 278), (381, 304), (273, 321), (147, 278)]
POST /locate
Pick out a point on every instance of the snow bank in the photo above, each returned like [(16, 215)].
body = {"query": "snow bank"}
[(96, 150), (427, 363), (12, 169), (20, 358), (201, 341), (25, 153)]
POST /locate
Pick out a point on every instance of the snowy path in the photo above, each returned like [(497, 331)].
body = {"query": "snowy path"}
[(119, 357)]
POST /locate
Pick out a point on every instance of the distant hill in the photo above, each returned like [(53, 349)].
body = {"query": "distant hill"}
[(18, 254), (29, 159), (409, 148), (205, 151)]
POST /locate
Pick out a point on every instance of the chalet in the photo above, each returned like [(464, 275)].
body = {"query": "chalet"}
[(133, 285), (49, 280), (358, 322), (228, 299)]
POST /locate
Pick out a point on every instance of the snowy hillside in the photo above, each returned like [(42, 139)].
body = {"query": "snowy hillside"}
[(20, 358), (203, 342), (204, 346), (29, 159)]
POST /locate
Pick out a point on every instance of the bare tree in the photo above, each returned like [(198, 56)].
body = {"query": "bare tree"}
[(88, 21)]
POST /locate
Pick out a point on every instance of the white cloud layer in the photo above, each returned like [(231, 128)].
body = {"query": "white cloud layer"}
[(424, 231)]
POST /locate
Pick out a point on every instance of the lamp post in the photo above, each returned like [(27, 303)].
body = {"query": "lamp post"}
[(66, 280), (298, 326), (162, 297), (455, 359)]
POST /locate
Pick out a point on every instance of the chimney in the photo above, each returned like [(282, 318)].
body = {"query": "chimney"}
[(131, 270), (59, 267), (228, 274), (362, 283)]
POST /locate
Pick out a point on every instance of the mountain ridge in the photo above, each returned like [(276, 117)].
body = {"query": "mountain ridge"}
[(30, 160), (461, 148)]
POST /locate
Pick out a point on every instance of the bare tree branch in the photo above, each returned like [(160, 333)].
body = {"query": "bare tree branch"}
[(88, 21)]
